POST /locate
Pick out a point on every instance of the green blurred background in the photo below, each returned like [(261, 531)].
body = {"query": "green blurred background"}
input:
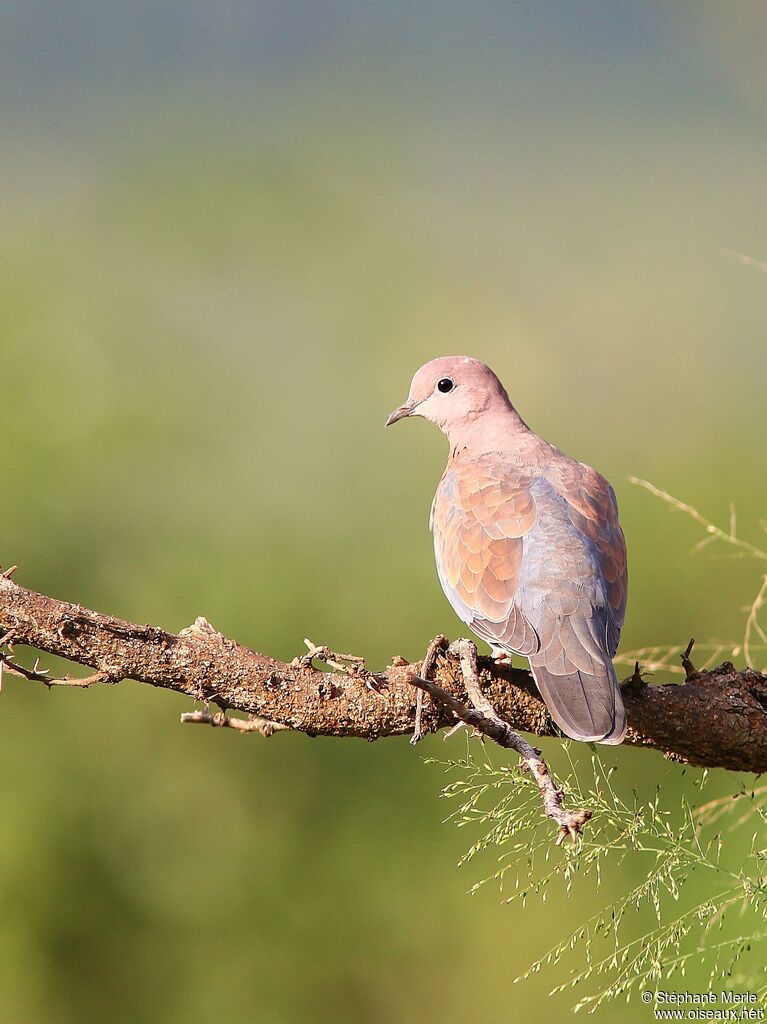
[(229, 233)]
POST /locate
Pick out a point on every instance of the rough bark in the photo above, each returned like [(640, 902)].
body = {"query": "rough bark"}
[(716, 718)]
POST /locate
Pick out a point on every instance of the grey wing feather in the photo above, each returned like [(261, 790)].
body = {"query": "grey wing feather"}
[(564, 597)]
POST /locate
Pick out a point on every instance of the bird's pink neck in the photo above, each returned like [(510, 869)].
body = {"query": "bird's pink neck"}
[(499, 429)]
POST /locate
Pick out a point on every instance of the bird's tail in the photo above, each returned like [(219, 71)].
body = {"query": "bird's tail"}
[(585, 706)]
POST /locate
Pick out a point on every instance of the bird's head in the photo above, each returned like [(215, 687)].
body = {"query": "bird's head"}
[(455, 392)]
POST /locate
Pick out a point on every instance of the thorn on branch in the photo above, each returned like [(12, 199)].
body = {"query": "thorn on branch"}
[(220, 720), (635, 684), (690, 672)]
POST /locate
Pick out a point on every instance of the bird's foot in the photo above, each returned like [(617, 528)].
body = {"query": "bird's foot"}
[(437, 645)]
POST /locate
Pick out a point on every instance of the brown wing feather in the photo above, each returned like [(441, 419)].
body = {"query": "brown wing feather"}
[(481, 512)]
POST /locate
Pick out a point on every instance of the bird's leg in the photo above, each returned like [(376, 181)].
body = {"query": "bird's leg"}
[(501, 657), (438, 644)]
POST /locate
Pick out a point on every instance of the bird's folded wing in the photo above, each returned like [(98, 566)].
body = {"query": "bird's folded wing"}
[(535, 563), (593, 511), (479, 517)]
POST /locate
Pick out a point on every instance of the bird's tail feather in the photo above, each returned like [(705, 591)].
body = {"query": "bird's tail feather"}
[(585, 706)]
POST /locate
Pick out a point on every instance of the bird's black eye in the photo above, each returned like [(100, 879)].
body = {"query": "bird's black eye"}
[(445, 385)]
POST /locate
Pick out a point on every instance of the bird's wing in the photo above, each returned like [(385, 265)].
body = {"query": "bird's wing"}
[(573, 592), (481, 512), (593, 511), (535, 563)]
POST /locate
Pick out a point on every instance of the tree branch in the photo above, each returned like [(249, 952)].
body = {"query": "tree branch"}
[(716, 718)]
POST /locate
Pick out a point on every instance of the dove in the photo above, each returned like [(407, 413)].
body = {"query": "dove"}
[(529, 550)]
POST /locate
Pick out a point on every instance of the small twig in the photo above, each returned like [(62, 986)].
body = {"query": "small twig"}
[(484, 718), (106, 675), (438, 644), (752, 622), (454, 729), (714, 531), (349, 664), (690, 672), (40, 675), (223, 721), (746, 260)]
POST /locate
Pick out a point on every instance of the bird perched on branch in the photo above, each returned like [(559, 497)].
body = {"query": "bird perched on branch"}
[(529, 550)]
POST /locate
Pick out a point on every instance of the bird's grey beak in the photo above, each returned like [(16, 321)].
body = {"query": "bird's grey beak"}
[(402, 412)]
